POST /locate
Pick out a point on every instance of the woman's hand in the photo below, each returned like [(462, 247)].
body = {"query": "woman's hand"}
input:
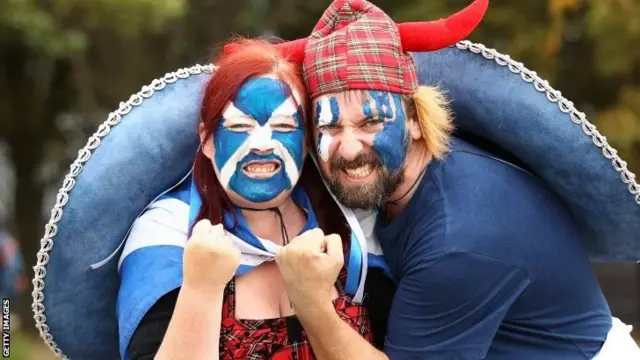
[(210, 258)]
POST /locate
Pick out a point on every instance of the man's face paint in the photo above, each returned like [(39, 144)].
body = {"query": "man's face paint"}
[(259, 142), (327, 115), (390, 142), (377, 127)]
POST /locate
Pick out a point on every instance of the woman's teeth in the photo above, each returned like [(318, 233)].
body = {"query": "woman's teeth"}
[(359, 172), (261, 168)]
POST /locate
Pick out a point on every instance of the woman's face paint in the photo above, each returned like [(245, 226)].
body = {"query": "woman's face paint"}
[(260, 140)]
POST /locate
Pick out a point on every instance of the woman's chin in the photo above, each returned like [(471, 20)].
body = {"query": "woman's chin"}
[(274, 201)]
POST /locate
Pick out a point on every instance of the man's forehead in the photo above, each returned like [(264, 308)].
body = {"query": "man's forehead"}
[(353, 103), (344, 99)]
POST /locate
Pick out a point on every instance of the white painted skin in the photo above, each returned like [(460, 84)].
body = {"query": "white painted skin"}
[(324, 118), (325, 144), (260, 138)]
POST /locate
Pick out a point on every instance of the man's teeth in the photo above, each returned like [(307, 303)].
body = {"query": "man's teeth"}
[(359, 172), (261, 168)]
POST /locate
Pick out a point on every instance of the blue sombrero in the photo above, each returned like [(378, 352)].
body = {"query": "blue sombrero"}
[(147, 147)]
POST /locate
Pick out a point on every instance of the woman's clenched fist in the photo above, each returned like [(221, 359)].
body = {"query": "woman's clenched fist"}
[(210, 258)]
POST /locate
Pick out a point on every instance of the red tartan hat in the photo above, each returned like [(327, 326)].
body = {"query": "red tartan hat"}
[(355, 45)]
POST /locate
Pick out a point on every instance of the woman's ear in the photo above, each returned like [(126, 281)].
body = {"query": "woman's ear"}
[(207, 144)]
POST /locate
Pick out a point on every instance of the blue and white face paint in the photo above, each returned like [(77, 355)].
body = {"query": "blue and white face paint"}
[(259, 144), (390, 143), (327, 113), (362, 143)]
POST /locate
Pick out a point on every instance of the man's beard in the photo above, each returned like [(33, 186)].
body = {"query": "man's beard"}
[(366, 196)]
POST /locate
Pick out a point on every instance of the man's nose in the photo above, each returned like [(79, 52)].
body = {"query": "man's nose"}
[(350, 145)]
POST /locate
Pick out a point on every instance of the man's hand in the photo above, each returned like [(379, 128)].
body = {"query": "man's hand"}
[(310, 265)]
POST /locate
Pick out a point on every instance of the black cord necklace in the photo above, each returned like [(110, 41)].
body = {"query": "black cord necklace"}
[(283, 228), (416, 182)]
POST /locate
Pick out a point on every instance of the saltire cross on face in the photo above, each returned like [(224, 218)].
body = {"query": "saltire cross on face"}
[(258, 150), (259, 141)]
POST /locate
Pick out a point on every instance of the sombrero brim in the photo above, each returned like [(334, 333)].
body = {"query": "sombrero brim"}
[(498, 99), (148, 145), (145, 147)]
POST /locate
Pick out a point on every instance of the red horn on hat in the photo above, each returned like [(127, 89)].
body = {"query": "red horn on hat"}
[(293, 50), (435, 35)]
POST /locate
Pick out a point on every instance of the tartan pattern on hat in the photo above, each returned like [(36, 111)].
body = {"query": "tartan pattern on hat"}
[(357, 46)]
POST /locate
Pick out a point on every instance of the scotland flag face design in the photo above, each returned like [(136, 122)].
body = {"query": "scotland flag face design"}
[(378, 107), (259, 144), (362, 142)]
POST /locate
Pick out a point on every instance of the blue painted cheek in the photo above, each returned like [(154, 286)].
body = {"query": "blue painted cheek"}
[(293, 142), (226, 143), (389, 142)]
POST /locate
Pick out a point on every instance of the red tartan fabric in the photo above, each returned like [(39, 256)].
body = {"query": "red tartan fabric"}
[(268, 339), (355, 45)]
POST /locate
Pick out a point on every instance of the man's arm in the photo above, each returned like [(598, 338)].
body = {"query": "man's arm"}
[(451, 305), (309, 265), (332, 338)]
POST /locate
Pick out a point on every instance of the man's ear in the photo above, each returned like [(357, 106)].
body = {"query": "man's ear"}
[(207, 144), (413, 123)]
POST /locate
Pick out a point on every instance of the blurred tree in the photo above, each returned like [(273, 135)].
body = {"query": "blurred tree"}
[(45, 73), (66, 63)]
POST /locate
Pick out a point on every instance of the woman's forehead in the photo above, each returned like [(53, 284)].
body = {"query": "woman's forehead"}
[(268, 84)]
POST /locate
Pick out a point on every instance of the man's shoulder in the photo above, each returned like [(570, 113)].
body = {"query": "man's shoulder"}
[(471, 178), (490, 202)]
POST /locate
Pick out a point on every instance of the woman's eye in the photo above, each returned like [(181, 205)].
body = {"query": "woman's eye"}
[(285, 126), (240, 127)]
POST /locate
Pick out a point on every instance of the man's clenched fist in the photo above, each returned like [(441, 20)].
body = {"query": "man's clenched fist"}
[(310, 265)]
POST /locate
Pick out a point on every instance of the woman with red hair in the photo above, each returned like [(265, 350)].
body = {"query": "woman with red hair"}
[(253, 181)]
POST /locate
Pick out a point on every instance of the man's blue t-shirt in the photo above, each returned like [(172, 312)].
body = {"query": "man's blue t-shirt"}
[(489, 265)]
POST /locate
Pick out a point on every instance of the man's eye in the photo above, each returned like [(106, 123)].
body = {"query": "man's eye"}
[(330, 127), (373, 122)]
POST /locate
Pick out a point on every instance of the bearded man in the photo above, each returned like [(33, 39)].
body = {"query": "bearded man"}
[(489, 263)]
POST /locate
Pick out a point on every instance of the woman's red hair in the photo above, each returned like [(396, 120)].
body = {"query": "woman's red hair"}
[(256, 58)]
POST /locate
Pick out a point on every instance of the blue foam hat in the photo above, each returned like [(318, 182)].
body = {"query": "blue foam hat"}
[(148, 145)]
